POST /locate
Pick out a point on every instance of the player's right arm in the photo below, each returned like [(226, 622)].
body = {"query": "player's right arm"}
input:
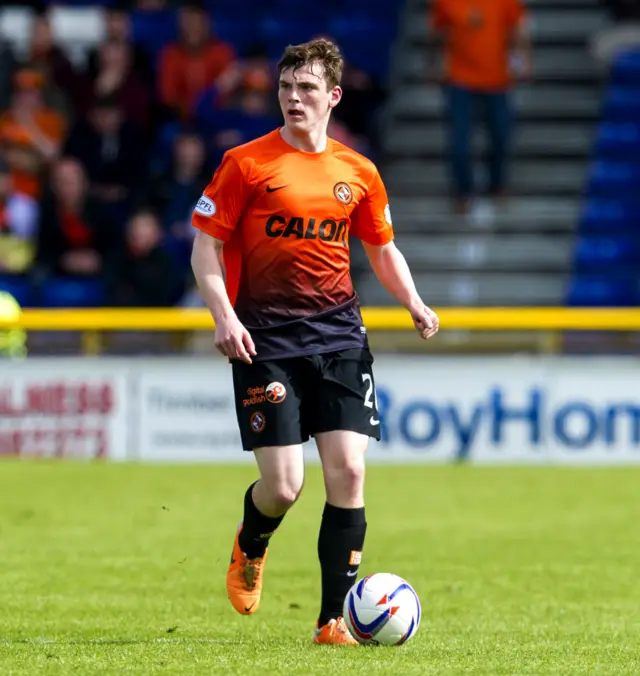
[(216, 216)]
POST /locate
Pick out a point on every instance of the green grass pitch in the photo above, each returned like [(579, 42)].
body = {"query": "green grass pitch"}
[(112, 569)]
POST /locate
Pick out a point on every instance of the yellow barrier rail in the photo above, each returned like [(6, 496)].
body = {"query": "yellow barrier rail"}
[(375, 319)]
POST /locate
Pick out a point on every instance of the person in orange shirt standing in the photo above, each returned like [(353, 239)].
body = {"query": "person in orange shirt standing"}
[(194, 63), (275, 222), (30, 133), (479, 45)]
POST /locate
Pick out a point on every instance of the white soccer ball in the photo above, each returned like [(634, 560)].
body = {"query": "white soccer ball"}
[(382, 609)]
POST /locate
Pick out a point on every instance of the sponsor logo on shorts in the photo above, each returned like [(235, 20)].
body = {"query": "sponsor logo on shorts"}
[(255, 395), (356, 558), (205, 206), (343, 193), (276, 393), (257, 421)]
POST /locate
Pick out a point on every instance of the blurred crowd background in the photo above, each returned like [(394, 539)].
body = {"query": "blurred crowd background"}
[(507, 133), (114, 117)]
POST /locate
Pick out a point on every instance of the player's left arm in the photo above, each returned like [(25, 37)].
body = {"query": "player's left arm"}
[(371, 222)]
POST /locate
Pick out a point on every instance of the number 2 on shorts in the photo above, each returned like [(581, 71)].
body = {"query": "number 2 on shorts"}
[(370, 396)]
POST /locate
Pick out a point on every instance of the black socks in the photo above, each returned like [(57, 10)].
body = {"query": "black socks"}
[(257, 528), (340, 550)]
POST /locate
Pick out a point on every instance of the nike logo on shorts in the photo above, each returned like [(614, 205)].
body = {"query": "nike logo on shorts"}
[(373, 421), (352, 573)]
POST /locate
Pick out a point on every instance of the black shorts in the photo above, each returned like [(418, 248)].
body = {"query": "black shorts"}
[(284, 402)]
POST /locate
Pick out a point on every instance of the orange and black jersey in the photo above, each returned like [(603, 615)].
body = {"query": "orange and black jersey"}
[(285, 216)]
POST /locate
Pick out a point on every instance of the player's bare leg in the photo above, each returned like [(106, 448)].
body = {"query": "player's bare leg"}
[(265, 504), (343, 528)]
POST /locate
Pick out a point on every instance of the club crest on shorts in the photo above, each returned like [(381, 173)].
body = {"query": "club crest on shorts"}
[(257, 421), (276, 393), (342, 192)]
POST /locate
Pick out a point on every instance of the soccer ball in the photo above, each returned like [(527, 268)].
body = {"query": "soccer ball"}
[(382, 609)]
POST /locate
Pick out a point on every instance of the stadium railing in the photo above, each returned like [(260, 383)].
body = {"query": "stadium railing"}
[(547, 322)]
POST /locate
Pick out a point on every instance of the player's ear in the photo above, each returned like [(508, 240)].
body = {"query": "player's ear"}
[(336, 96)]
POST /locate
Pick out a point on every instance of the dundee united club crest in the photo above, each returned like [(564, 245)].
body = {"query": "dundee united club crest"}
[(342, 192)]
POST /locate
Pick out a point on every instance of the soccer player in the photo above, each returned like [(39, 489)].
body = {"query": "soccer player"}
[(271, 259)]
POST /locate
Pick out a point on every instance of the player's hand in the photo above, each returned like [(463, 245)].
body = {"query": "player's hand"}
[(233, 340), (426, 321)]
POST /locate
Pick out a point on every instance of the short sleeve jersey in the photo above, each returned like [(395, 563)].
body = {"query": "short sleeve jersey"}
[(285, 217), (478, 40)]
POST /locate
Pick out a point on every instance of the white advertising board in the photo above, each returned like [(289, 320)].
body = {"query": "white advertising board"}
[(64, 408), (433, 409), (511, 409), (186, 412)]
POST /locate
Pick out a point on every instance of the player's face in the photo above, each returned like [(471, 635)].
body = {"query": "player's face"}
[(305, 100)]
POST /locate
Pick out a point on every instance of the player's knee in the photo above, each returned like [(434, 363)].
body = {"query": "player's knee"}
[(347, 479), (354, 477), (284, 494)]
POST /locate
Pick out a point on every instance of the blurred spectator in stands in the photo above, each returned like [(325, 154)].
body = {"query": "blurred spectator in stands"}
[(624, 33), (622, 10), (476, 45), (75, 232), (196, 61), (363, 96), (117, 28), (50, 59), (8, 66), (116, 77), (18, 225), (340, 132), (248, 115), (151, 5), (141, 274), (30, 132), (114, 154), (174, 193)]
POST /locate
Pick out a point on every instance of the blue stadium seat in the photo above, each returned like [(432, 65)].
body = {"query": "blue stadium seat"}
[(61, 292), (618, 139), (276, 34), (376, 8), (153, 30), (622, 104), (608, 215), (603, 290), (18, 286), (362, 29), (609, 178), (233, 7), (365, 40), (626, 68), (593, 252), (236, 31)]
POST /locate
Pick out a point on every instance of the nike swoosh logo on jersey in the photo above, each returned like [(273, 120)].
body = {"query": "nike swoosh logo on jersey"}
[(270, 189), (373, 421)]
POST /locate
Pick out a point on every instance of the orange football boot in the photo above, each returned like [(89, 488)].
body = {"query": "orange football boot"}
[(244, 580), (335, 632)]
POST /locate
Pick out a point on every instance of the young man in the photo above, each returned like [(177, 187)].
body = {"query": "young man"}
[(276, 218), (480, 46)]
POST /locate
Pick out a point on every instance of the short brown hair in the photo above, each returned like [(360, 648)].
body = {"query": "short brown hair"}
[(321, 51)]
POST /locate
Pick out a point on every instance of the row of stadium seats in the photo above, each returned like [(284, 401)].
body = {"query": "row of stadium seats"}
[(365, 29), (607, 252), (55, 293)]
